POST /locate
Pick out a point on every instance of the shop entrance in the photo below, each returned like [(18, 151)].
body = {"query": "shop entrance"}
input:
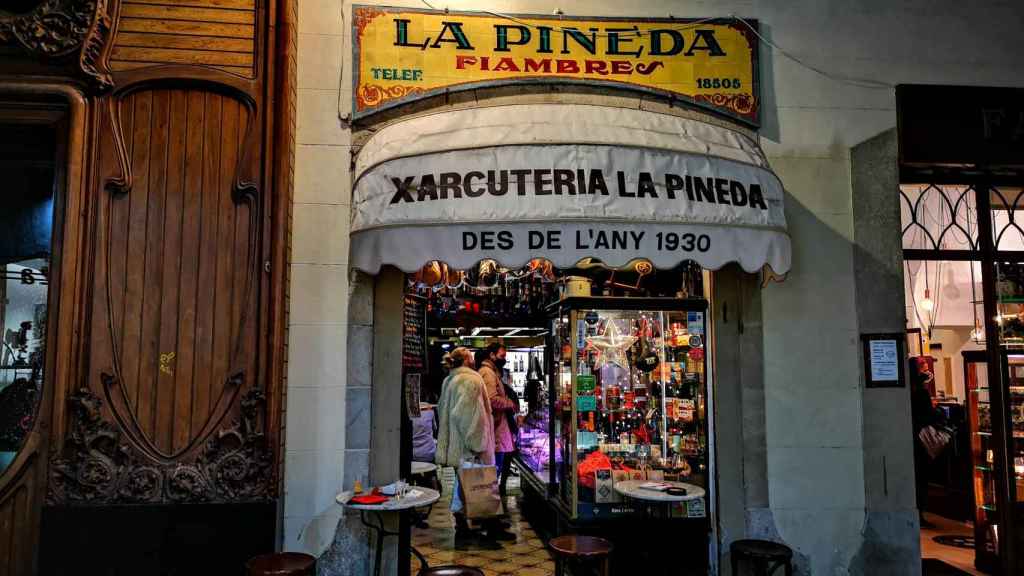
[(604, 384), (964, 279), (961, 199), (606, 280)]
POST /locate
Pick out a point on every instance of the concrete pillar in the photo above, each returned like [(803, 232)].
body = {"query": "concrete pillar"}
[(740, 435), (891, 543)]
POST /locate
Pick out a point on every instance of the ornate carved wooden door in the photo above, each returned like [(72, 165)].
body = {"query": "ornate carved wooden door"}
[(164, 440), (172, 412), (156, 440)]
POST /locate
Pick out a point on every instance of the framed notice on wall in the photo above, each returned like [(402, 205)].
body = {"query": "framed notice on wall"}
[(885, 358)]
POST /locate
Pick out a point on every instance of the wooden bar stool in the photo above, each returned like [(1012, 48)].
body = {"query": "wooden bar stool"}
[(763, 556), (451, 571), (576, 548), (283, 564)]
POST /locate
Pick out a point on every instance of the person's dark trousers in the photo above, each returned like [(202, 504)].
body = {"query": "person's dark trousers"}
[(503, 464), (504, 470)]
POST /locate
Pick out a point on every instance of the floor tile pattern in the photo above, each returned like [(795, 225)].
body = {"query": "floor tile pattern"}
[(958, 557), (527, 556)]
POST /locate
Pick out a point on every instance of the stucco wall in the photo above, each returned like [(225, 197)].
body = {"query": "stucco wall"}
[(819, 468)]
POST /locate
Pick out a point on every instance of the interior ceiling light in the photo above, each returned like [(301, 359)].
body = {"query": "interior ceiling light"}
[(927, 304)]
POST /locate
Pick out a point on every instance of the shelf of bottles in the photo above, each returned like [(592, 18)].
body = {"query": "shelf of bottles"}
[(983, 455), (632, 403), (1010, 304), (1010, 295), (985, 451), (1015, 370)]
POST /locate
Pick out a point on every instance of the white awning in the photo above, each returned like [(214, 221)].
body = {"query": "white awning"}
[(564, 182)]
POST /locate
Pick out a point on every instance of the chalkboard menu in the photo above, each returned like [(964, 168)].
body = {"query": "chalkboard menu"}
[(414, 335)]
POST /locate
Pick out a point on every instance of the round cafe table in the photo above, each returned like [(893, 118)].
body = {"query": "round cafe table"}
[(631, 490), (426, 497)]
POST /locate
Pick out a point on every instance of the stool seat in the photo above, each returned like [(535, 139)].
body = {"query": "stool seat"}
[(764, 557), (283, 564), (577, 546), (450, 571), (762, 549)]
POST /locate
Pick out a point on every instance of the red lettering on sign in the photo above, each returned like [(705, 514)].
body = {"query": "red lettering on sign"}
[(622, 67), (568, 67), (531, 65), (462, 60), (646, 69), (597, 67), (506, 65)]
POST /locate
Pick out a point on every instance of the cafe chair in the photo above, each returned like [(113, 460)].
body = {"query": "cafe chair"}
[(762, 556)]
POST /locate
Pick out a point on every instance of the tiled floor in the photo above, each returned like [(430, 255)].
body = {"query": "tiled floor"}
[(527, 556), (961, 558)]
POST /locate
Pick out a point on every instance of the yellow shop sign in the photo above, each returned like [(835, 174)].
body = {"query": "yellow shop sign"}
[(404, 54)]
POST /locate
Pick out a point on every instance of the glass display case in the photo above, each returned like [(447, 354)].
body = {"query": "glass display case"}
[(535, 448), (985, 451), (628, 401)]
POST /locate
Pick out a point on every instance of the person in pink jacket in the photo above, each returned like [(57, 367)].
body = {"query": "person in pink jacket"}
[(491, 365)]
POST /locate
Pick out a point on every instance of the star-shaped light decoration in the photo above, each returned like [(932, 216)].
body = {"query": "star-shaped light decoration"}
[(611, 345)]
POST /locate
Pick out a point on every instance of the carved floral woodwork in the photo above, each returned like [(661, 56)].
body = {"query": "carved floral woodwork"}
[(98, 465), (57, 28), (140, 432)]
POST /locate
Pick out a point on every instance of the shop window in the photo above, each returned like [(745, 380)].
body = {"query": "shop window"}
[(26, 222), (1007, 225), (938, 217)]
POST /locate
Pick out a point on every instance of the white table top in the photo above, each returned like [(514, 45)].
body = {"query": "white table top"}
[(631, 489), (422, 468), (427, 497)]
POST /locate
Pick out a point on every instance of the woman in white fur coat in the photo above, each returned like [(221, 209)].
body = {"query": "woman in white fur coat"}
[(465, 432)]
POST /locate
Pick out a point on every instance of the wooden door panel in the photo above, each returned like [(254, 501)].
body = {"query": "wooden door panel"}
[(173, 331), (177, 285), (18, 509)]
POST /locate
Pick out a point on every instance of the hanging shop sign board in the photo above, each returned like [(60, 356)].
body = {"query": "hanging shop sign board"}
[(405, 54), (960, 125)]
